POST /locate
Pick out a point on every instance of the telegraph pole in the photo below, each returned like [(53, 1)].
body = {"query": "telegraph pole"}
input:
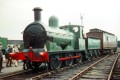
[(81, 17)]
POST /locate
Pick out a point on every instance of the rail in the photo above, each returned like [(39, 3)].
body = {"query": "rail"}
[(81, 73), (109, 77)]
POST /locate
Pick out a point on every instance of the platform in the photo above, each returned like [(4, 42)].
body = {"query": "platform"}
[(7, 70)]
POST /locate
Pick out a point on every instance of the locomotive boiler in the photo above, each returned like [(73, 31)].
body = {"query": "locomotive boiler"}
[(55, 46)]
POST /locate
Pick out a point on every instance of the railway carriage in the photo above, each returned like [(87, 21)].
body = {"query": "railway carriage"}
[(108, 40), (55, 46)]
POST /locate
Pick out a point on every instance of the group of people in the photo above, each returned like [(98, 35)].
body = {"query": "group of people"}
[(8, 60), (9, 50)]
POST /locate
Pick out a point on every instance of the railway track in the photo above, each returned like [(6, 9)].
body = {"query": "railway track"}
[(64, 73), (22, 75), (115, 72), (100, 70), (11, 76), (83, 71), (30, 75)]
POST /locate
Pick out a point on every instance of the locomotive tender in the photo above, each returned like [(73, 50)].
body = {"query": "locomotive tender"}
[(56, 46)]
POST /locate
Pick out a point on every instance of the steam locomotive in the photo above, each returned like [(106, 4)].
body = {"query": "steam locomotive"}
[(61, 46)]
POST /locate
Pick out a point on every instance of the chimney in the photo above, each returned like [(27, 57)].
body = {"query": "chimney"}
[(37, 13)]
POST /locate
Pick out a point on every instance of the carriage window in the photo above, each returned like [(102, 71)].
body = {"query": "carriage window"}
[(107, 38)]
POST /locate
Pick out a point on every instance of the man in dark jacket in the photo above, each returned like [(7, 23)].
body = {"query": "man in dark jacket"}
[(9, 61), (1, 58)]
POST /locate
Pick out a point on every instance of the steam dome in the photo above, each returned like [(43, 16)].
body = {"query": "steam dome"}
[(53, 21)]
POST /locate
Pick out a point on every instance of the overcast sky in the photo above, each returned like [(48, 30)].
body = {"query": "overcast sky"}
[(15, 15)]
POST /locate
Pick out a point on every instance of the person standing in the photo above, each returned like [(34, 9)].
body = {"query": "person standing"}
[(15, 50), (9, 61), (1, 58)]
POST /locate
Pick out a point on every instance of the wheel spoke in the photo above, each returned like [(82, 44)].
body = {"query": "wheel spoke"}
[(55, 63), (69, 62), (79, 60)]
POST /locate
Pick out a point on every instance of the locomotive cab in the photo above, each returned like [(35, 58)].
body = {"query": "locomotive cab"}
[(77, 30)]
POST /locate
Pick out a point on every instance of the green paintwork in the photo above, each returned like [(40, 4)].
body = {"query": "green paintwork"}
[(59, 41), (52, 46), (53, 22), (93, 43), (82, 44), (4, 42), (77, 30), (59, 37), (69, 48), (78, 42)]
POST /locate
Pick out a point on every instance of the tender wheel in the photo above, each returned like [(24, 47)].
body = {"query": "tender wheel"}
[(89, 58), (96, 54), (79, 60), (93, 55), (54, 62), (70, 61), (99, 53)]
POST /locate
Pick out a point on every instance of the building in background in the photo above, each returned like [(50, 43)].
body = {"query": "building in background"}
[(4, 42)]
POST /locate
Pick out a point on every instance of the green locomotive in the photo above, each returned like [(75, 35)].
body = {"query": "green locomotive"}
[(56, 46)]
